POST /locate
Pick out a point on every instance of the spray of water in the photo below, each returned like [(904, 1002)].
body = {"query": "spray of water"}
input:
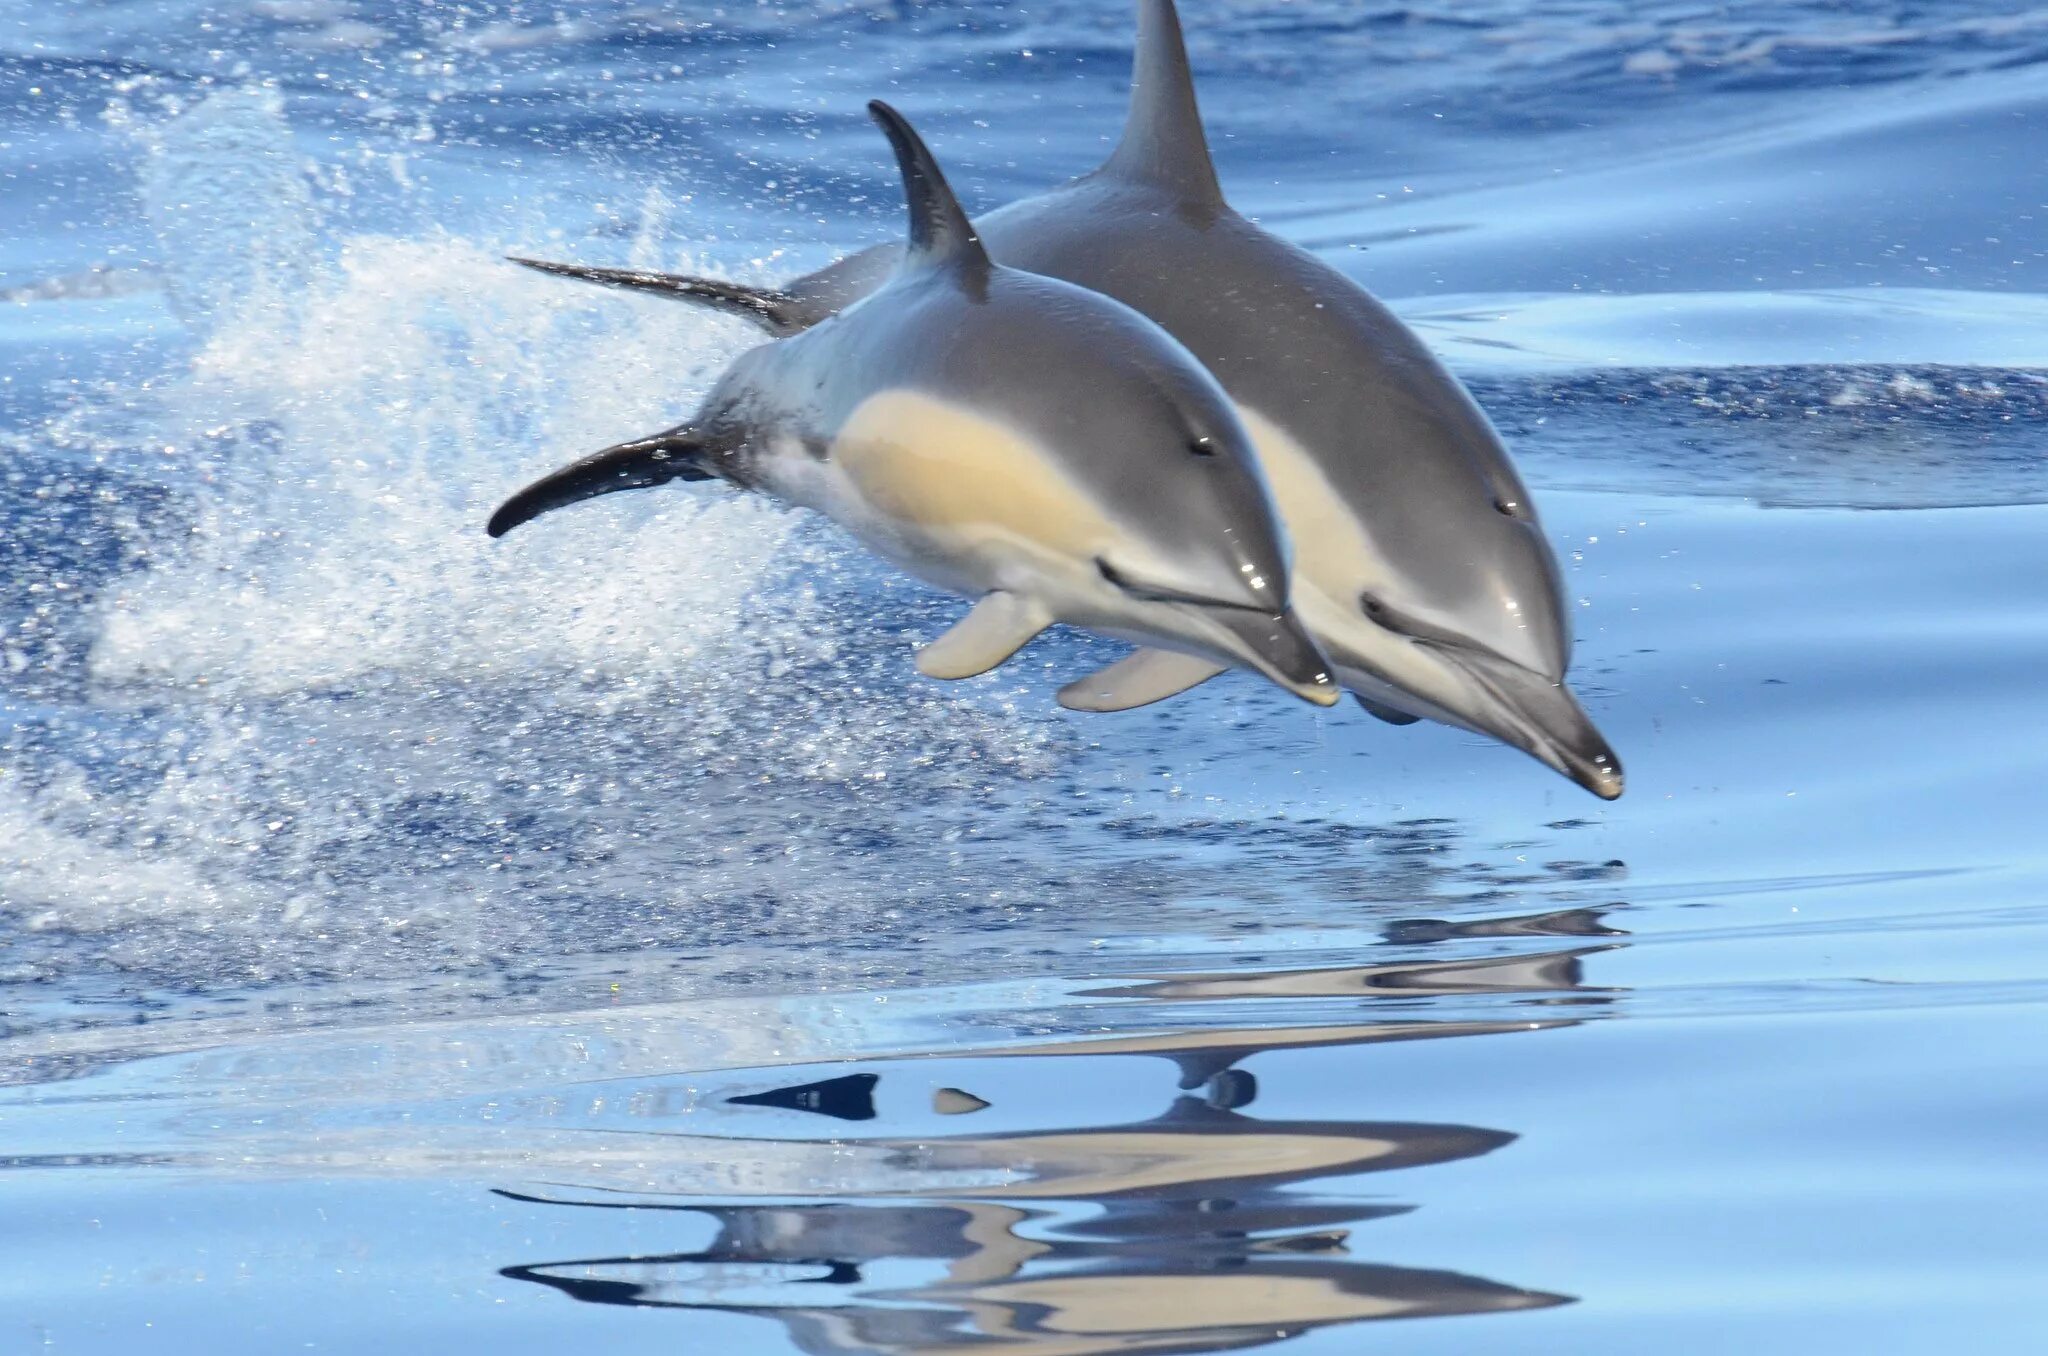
[(325, 726)]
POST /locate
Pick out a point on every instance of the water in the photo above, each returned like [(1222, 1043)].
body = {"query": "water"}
[(604, 939)]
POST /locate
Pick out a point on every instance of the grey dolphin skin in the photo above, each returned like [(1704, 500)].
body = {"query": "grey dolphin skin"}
[(1420, 565), (1009, 437)]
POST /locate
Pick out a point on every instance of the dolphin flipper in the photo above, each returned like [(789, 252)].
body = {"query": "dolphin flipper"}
[(999, 625), (776, 312), (1392, 715), (629, 466), (1138, 679)]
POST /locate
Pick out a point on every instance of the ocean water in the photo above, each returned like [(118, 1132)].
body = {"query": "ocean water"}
[(604, 940)]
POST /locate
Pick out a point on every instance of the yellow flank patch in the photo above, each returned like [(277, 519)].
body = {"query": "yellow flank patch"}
[(1072, 1165), (936, 468), (1100, 1307), (1332, 554)]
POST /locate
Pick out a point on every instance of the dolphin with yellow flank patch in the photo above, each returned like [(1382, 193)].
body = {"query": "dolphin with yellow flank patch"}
[(1009, 437), (1420, 566)]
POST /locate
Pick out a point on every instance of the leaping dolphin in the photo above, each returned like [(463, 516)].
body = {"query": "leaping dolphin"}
[(1420, 566), (1009, 437)]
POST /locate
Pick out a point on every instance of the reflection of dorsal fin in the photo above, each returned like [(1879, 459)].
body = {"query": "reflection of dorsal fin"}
[(940, 234), (848, 1098), (1163, 143), (1193, 1113)]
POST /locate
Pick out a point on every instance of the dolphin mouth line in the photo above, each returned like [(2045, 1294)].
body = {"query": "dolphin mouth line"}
[(1271, 643), (1398, 623), (1276, 645), (1154, 593), (1467, 655), (1598, 772)]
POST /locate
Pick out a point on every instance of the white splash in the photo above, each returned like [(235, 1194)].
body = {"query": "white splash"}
[(334, 728), (397, 404), (228, 200)]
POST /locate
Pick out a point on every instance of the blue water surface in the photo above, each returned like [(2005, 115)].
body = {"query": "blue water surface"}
[(604, 940)]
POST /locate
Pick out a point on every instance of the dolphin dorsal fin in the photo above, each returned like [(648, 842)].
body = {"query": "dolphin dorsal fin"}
[(1163, 143), (940, 234)]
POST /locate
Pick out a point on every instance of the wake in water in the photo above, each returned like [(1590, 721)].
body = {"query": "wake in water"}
[(311, 720), (276, 707)]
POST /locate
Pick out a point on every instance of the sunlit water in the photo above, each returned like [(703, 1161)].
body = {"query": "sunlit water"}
[(603, 940)]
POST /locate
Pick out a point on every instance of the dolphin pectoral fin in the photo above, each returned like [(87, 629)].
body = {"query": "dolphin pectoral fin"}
[(629, 466), (998, 626), (1138, 679), (1391, 715), (776, 312)]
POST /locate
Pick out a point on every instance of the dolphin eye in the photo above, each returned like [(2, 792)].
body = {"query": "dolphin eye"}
[(1507, 508), (1202, 447)]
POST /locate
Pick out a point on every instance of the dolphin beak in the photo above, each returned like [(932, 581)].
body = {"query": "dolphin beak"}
[(1281, 648), (1540, 717)]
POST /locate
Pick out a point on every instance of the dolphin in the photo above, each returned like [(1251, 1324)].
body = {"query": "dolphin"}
[(1421, 566), (1009, 437)]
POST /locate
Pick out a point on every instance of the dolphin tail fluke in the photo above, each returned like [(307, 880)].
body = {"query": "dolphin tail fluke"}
[(1138, 679), (999, 625), (1163, 143), (636, 465), (776, 312)]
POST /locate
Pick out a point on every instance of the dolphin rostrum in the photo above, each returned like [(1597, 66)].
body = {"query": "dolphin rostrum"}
[(1013, 438), (1420, 565)]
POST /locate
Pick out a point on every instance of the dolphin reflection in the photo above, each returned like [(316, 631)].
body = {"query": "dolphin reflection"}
[(1549, 978), (1186, 1233), (1110, 1306), (1202, 1229), (1543, 971)]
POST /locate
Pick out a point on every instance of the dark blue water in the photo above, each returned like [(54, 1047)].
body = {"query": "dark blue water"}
[(604, 939)]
